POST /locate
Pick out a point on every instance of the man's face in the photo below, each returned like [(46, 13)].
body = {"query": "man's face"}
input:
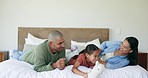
[(58, 44)]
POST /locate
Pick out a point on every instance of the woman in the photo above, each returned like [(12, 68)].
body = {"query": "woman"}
[(120, 56)]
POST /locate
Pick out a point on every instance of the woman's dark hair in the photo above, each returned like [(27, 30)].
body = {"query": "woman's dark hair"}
[(133, 56)]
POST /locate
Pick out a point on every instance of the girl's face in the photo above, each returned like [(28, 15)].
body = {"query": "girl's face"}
[(125, 48), (94, 56)]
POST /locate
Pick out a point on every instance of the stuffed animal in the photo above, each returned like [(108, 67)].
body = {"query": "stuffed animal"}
[(96, 71)]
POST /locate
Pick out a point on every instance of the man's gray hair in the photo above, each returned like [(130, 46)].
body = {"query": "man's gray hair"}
[(54, 34)]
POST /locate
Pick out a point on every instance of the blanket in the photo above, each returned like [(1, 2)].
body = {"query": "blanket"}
[(13, 68)]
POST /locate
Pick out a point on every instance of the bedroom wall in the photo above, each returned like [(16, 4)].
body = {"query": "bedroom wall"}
[(123, 17)]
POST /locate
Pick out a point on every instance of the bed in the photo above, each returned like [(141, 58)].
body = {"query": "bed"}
[(14, 68)]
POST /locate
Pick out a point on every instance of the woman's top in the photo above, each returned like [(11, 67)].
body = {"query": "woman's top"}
[(113, 61)]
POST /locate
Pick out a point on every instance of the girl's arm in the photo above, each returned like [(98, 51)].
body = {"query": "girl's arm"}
[(102, 62), (77, 71)]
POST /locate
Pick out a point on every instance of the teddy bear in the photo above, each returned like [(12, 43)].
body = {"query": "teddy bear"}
[(96, 71)]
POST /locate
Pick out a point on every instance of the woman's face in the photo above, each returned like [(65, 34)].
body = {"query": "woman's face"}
[(125, 48)]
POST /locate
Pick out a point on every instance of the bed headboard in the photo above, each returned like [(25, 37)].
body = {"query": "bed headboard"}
[(77, 34)]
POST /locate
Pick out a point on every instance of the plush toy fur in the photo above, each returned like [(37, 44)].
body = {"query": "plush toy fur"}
[(96, 71)]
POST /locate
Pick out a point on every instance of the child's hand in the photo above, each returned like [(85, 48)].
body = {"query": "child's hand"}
[(85, 75), (91, 67)]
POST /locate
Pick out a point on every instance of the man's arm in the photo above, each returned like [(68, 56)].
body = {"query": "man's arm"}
[(40, 62)]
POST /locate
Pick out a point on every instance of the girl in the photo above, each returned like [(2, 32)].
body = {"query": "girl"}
[(120, 54), (87, 58)]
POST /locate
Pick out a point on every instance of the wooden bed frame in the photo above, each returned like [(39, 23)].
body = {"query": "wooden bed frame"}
[(77, 34)]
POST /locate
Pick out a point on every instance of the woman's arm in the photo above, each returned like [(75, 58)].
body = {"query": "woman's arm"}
[(120, 64), (77, 71)]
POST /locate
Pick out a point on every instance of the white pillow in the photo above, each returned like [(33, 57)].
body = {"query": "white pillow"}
[(29, 41), (28, 47), (84, 44), (77, 43), (33, 40), (68, 51), (95, 42), (71, 54)]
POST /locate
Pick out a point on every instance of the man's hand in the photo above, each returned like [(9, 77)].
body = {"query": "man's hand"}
[(60, 64)]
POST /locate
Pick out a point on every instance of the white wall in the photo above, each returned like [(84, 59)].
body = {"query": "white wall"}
[(128, 16)]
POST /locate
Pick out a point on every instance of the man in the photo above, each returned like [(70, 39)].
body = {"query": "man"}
[(49, 54)]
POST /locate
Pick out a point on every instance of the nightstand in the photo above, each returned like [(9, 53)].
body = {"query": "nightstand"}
[(1, 56), (143, 60)]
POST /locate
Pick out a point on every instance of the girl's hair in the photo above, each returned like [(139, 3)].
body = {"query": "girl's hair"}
[(133, 56), (90, 48)]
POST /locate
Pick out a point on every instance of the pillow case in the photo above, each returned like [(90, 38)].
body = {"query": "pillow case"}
[(95, 42), (69, 55), (68, 51), (30, 43), (33, 40), (77, 43), (79, 46), (28, 47)]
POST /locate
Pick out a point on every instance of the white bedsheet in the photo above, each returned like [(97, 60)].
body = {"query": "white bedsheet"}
[(13, 68)]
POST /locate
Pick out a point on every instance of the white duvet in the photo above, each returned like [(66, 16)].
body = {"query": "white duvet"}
[(13, 68)]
